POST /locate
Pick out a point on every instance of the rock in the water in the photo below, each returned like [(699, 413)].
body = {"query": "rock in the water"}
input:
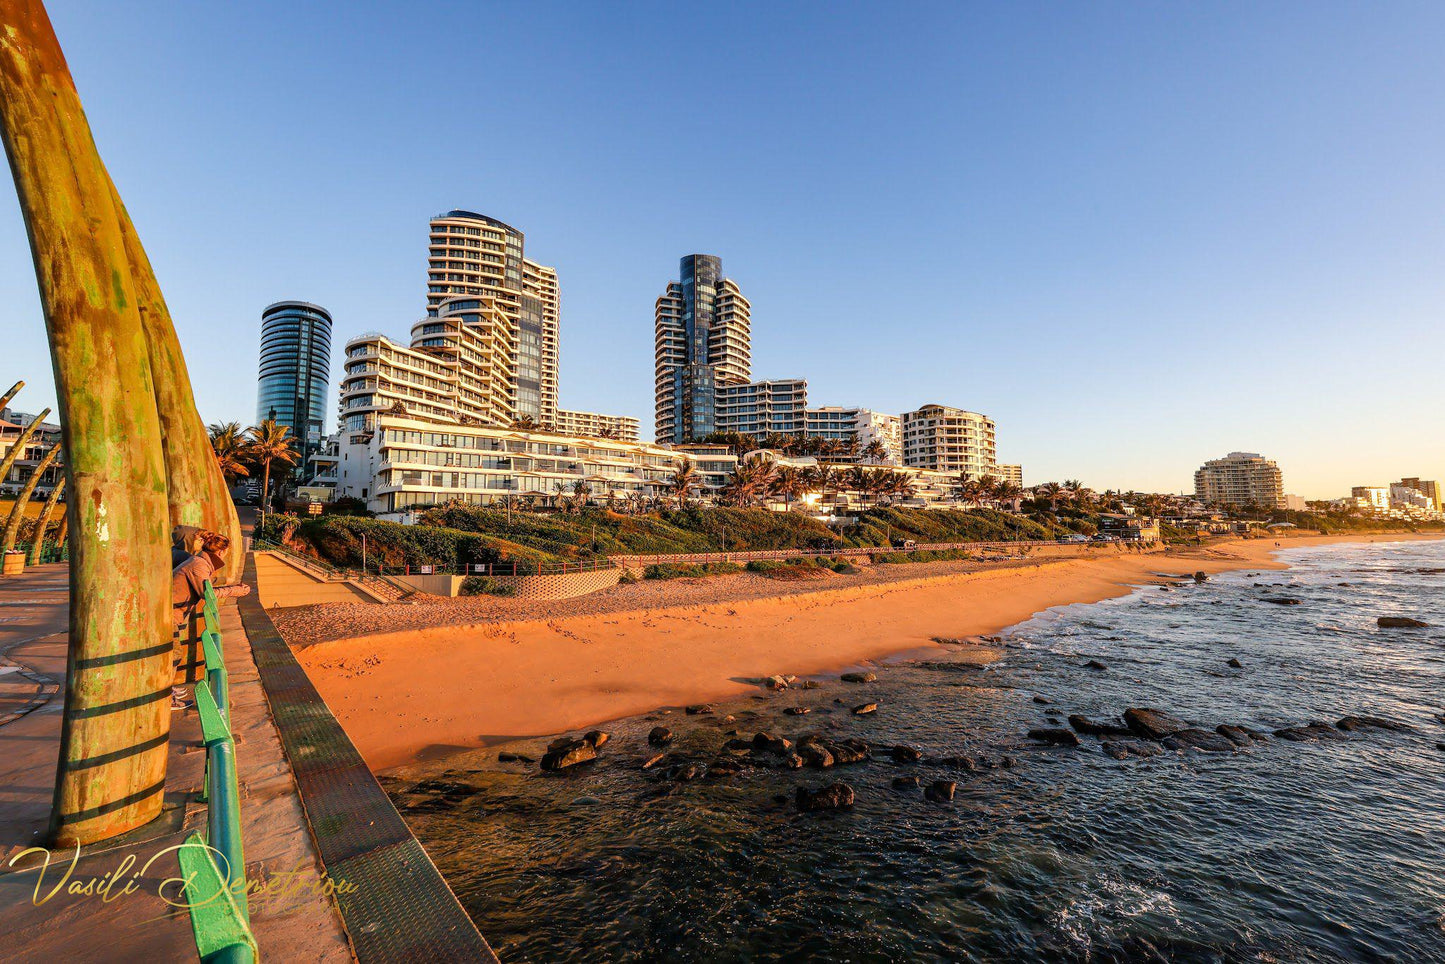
[(1371, 722), (1082, 724), (815, 755), (560, 742), (1094, 664), (810, 684), (1043, 701), (1237, 735), (1153, 724), (768, 743), (597, 738), (798, 710), (1054, 736), (738, 745), (1123, 749), (906, 783), (1201, 576), (863, 709), (659, 736), (652, 761), (832, 797), (1309, 733), (727, 766), (905, 754), (1400, 622), (848, 751), (858, 677), (578, 751), (1192, 739), (776, 683), (1281, 600), (1234, 664), (940, 791), (700, 709)]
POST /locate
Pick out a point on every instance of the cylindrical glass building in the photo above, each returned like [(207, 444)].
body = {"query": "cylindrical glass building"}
[(295, 365)]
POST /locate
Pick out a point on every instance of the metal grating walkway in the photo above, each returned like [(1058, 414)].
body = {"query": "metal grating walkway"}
[(402, 909)]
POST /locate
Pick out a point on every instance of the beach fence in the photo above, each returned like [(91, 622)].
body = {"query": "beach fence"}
[(214, 866)]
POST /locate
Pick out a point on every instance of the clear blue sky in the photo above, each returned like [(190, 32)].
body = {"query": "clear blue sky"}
[(1137, 235)]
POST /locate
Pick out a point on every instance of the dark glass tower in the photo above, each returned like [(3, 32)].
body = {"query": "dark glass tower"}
[(295, 366), (703, 343)]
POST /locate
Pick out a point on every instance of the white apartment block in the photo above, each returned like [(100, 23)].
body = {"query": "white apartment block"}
[(1240, 478), (949, 440), (402, 464), (623, 428), (762, 408), (1371, 497), (1009, 473), (861, 425), (472, 254)]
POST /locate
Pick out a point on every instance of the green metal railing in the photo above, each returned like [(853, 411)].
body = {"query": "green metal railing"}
[(214, 866)]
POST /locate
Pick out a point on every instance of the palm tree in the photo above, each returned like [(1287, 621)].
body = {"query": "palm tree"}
[(682, 483), (1007, 491), (968, 489), (228, 440), (267, 443), (788, 483), (525, 423), (825, 477), (1051, 491), (875, 451)]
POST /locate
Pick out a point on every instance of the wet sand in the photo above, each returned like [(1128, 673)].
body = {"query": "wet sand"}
[(424, 693)]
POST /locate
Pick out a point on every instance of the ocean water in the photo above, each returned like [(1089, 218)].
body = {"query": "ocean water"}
[(1329, 851)]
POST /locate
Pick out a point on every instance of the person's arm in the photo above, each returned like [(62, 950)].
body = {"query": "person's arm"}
[(235, 589)]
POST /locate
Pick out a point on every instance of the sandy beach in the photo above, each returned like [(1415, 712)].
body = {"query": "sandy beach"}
[(424, 692)]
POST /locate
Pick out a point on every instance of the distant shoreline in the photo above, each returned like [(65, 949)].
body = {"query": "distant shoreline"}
[(424, 693)]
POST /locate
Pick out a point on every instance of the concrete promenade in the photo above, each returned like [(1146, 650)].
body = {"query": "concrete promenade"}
[(291, 915)]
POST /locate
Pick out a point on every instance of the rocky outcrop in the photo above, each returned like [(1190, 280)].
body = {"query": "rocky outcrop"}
[(858, 677), (906, 783), (798, 710), (597, 738), (1237, 735), (905, 754), (768, 743), (1054, 736), (1152, 724), (569, 755), (1123, 749), (1234, 663), (700, 709), (1309, 733), (815, 755), (1086, 726), (940, 791), (1095, 664), (848, 751), (832, 797), (1203, 740), (864, 709), (659, 736), (1282, 600), (1400, 622), (1350, 723)]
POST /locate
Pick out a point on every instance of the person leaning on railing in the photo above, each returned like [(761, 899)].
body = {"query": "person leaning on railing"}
[(196, 556)]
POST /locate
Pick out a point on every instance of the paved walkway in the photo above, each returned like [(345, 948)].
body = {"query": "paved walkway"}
[(293, 918)]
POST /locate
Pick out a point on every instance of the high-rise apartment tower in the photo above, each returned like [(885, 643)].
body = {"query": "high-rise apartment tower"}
[(703, 342)]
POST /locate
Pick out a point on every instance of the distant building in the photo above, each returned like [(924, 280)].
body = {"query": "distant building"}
[(1010, 473), (1240, 479), (1371, 497), (714, 465), (624, 428), (1130, 528), (887, 430), (1427, 488), (1407, 497), (294, 373), (1295, 503), (41, 441), (950, 440), (703, 343), (775, 406)]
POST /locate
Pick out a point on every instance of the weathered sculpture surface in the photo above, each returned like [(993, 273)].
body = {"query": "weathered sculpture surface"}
[(137, 458)]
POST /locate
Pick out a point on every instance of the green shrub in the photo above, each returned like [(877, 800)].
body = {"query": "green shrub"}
[(485, 586), (337, 539), (682, 570)]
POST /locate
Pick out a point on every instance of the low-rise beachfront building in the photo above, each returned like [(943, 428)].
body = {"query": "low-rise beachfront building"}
[(714, 465), (1427, 488), (949, 440), (45, 437), (1240, 479), (403, 463), (623, 428)]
